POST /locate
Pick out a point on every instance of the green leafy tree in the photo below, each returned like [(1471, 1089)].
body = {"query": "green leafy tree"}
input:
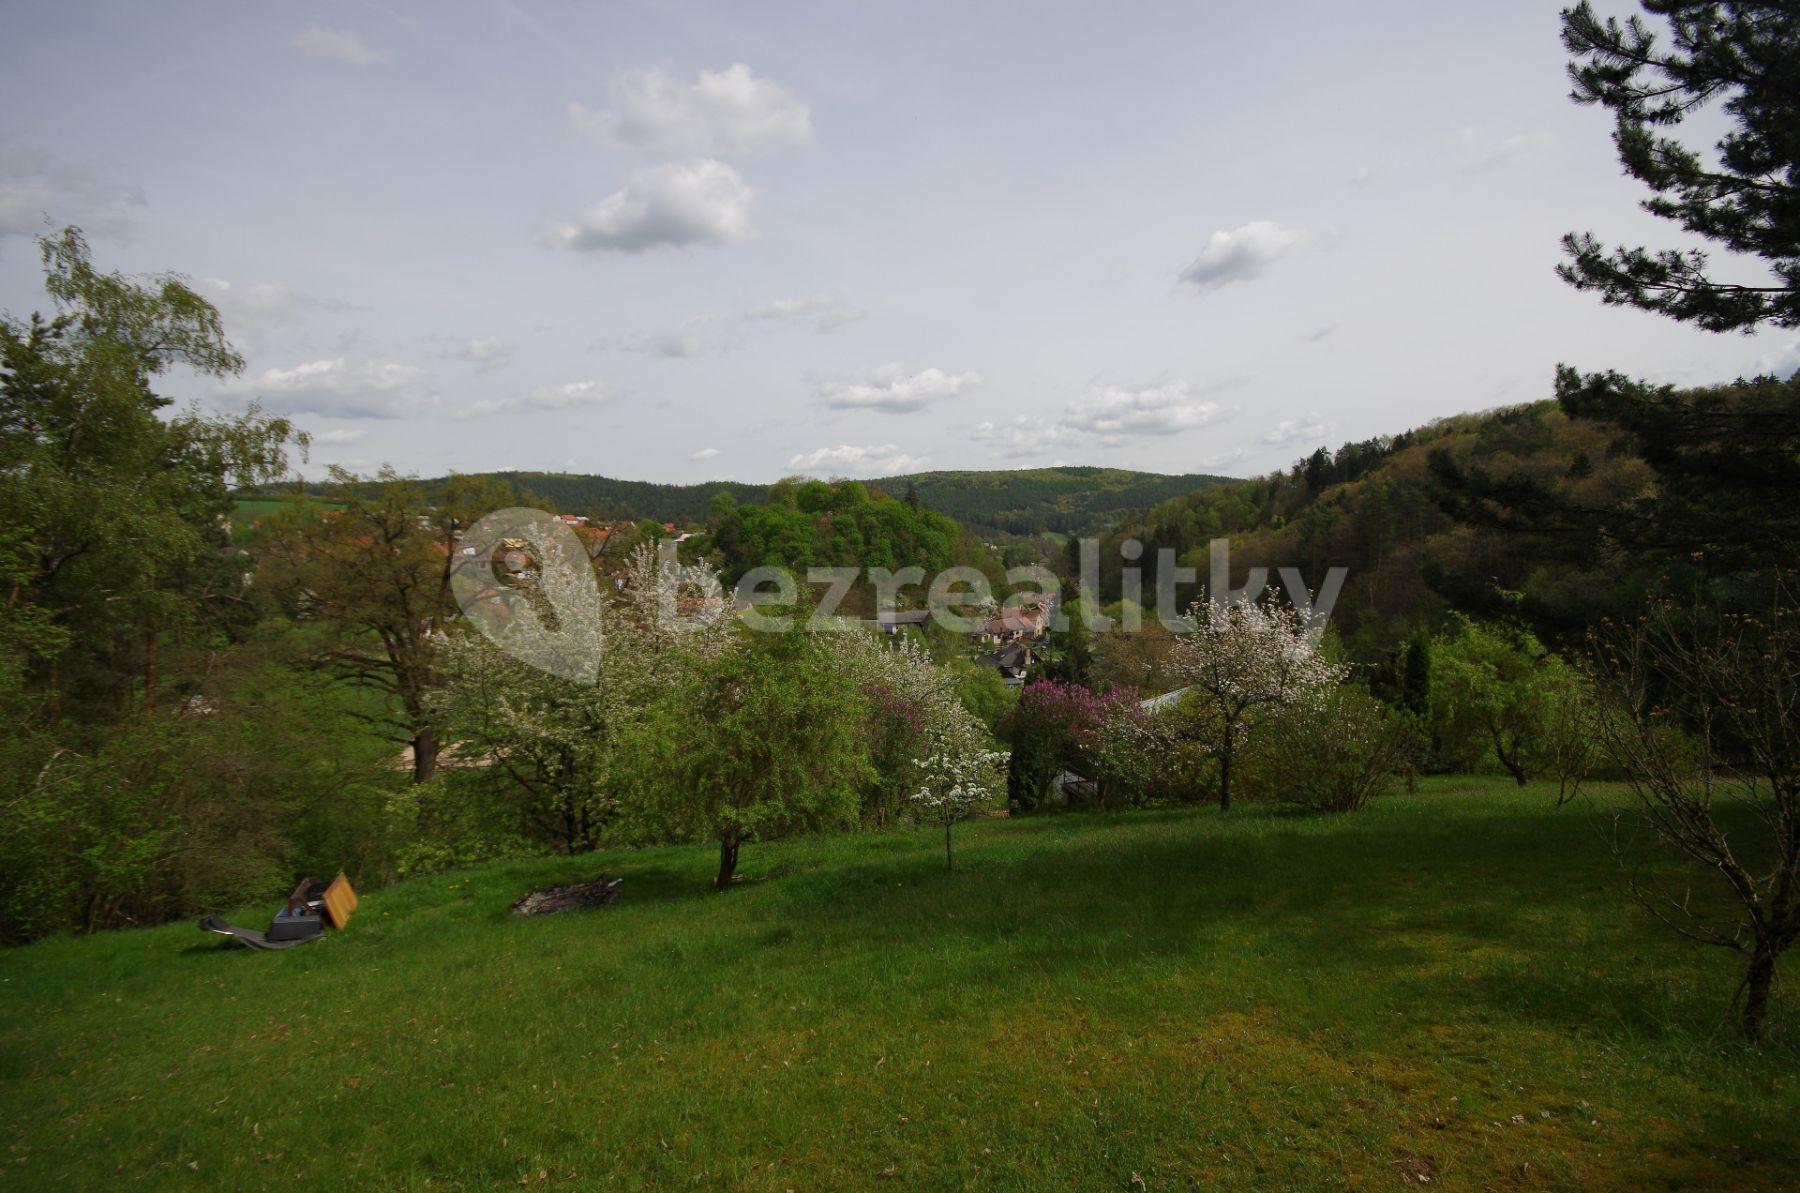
[(113, 509), (1334, 750), (552, 744), (983, 692), (1498, 692), (1071, 650), (1415, 705), (1415, 675), (812, 523), (763, 741), (375, 572), (166, 812)]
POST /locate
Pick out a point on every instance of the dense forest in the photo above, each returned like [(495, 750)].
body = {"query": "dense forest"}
[(1018, 502), (1031, 501), (599, 497)]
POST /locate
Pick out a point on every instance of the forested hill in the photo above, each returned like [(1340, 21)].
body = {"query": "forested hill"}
[(597, 496), (1027, 501), (1010, 502), (1383, 509)]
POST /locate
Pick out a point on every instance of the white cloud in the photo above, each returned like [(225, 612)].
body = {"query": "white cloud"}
[(1021, 437), (254, 307), (1106, 416), (1113, 413), (340, 437), (486, 353), (40, 192), (1783, 362), (1240, 254), (1225, 459), (339, 45), (252, 310), (1363, 176), (570, 395), (823, 312), (891, 389), (1478, 152), (705, 453), (849, 460), (723, 112), (709, 335), (1309, 430), (703, 202), (697, 337), (343, 387)]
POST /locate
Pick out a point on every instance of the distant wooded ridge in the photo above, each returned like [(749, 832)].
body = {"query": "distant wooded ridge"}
[(1023, 501)]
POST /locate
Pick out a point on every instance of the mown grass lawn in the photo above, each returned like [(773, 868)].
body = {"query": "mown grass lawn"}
[(1451, 984)]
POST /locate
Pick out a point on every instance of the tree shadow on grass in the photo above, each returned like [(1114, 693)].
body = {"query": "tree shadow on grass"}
[(1521, 915)]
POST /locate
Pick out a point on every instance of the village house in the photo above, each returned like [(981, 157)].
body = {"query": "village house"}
[(1015, 635)]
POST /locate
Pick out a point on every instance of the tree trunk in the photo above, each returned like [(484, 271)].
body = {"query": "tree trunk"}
[(949, 858), (728, 855), (150, 668), (1510, 762), (425, 755), (1225, 770), (1756, 991)]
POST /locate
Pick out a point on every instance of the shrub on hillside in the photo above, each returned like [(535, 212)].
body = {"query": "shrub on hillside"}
[(1334, 751), (983, 692), (1057, 727), (1499, 698), (459, 818), (177, 812)]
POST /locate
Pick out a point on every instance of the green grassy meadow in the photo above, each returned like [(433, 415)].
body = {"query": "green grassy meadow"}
[(1450, 985)]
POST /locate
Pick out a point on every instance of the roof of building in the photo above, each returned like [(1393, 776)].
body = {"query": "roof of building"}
[(1015, 621), (1164, 702), (903, 617)]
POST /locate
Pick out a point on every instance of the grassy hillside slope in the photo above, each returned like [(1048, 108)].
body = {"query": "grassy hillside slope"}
[(1449, 984)]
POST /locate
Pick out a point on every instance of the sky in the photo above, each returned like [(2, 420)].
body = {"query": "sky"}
[(684, 242)]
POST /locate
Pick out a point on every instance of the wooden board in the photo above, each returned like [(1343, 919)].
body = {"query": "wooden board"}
[(340, 901)]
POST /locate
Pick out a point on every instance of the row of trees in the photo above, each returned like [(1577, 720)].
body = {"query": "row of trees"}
[(700, 729), (1256, 702)]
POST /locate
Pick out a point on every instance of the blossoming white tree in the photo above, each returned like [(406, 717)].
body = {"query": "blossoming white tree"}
[(557, 736), (1239, 658), (910, 696), (957, 776)]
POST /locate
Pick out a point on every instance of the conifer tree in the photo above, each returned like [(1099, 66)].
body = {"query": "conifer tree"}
[(1738, 59)]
